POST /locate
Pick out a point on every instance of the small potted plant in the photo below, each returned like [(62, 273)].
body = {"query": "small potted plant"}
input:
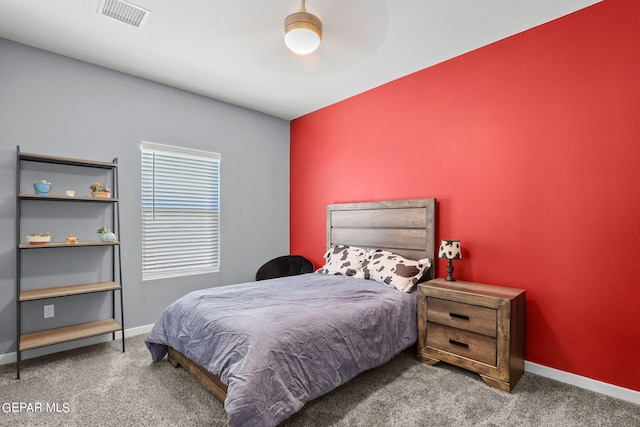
[(106, 235), (42, 187), (39, 238), (100, 191)]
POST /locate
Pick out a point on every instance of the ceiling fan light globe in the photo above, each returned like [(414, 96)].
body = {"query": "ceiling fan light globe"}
[(302, 41)]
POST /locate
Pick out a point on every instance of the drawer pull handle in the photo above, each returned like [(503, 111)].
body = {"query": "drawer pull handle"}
[(459, 344), (459, 316)]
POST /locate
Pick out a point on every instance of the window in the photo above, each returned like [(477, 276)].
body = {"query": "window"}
[(180, 211)]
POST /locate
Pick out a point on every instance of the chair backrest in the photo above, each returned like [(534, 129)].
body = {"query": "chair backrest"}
[(287, 265)]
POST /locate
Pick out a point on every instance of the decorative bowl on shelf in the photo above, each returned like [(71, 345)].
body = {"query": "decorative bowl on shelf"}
[(101, 194), (107, 237), (39, 238), (42, 187)]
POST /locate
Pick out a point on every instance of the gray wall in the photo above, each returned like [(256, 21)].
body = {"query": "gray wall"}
[(55, 105)]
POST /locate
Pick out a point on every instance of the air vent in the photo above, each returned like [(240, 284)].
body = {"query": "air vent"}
[(123, 11)]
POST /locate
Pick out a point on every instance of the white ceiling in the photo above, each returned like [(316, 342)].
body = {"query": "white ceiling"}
[(233, 50)]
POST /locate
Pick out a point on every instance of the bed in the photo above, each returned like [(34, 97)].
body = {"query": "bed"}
[(266, 348)]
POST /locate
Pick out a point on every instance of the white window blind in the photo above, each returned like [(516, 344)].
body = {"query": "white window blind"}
[(180, 211)]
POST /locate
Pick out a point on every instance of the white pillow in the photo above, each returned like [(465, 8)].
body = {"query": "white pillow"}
[(345, 260), (394, 270)]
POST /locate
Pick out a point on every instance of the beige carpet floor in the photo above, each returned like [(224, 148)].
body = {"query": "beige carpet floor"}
[(101, 386)]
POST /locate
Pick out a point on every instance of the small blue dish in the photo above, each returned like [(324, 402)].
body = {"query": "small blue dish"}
[(42, 189)]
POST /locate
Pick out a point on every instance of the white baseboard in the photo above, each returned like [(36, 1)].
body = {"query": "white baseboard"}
[(136, 331), (583, 382), (37, 352), (534, 368)]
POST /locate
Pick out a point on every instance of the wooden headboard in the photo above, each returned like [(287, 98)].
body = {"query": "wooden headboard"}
[(404, 227)]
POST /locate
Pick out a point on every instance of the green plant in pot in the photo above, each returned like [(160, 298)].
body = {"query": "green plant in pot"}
[(100, 191), (106, 235)]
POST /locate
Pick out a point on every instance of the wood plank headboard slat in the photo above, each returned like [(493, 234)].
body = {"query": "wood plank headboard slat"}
[(387, 218), (401, 238)]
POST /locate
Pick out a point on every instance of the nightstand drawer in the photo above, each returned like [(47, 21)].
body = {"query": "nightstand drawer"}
[(463, 343), (482, 320)]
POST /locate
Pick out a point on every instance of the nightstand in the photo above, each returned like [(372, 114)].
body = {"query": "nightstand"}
[(474, 326)]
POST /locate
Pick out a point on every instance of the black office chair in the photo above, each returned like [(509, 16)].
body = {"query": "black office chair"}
[(287, 265)]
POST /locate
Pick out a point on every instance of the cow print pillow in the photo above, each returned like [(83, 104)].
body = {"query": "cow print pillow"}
[(345, 260), (394, 270)]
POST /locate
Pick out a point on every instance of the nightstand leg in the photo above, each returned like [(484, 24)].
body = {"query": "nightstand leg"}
[(497, 383), (426, 360)]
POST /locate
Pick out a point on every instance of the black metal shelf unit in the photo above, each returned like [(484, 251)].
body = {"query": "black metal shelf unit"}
[(83, 330)]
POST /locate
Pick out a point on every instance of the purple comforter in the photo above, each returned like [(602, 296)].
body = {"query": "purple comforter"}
[(282, 342)]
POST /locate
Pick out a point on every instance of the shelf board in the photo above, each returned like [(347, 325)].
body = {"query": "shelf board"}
[(63, 291), (67, 161), (66, 245), (69, 333), (59, 197)]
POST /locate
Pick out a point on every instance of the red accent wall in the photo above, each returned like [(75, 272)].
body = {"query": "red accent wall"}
[(531, 146)]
